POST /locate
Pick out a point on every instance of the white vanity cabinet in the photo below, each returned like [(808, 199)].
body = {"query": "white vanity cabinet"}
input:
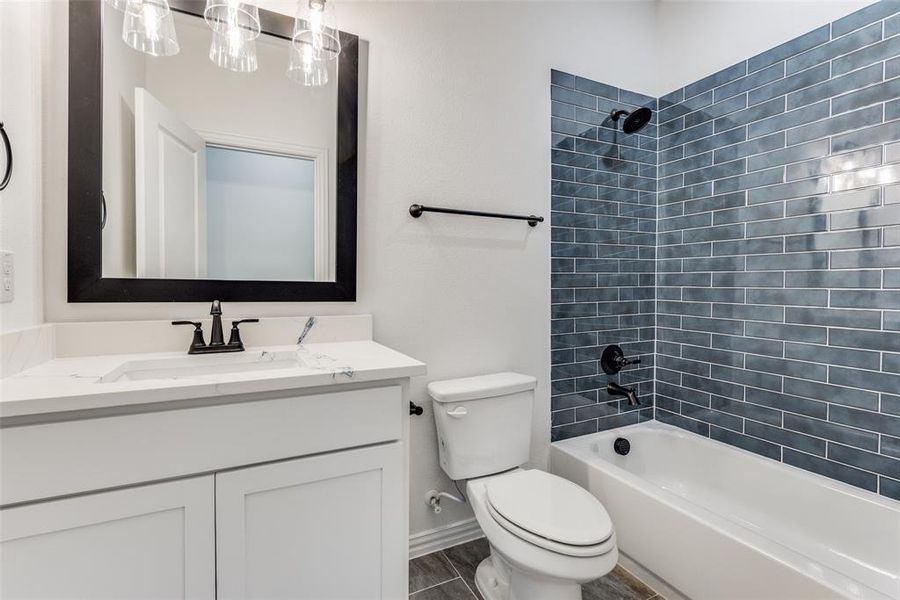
[(153, 541), (318, 528), (301, 494)]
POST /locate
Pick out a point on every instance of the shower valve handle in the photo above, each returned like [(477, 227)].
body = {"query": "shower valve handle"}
[(613, 360)]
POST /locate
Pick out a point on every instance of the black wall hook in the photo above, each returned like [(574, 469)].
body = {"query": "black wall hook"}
[(9, 158)]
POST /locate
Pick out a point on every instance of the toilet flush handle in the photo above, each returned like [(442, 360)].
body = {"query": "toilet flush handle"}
[(458, 412)]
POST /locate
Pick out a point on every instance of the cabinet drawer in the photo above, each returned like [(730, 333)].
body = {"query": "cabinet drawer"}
[(47, 460)]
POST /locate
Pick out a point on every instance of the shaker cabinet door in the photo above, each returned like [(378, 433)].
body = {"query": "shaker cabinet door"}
[(324, 527), (154, 541)]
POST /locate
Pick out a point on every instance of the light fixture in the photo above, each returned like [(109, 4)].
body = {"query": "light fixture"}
[(235, 27), (304, 68), (149, 27), (229, 51), (240, 20), (314, 27)]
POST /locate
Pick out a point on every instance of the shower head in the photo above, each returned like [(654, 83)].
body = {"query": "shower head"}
[(634, 121)]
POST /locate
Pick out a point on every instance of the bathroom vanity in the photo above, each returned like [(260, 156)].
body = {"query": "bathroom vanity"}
[(131, 469), (274, 472)]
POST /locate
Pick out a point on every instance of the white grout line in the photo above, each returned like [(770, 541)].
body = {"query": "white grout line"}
[(431, 587), (441, 552), (459, 575)]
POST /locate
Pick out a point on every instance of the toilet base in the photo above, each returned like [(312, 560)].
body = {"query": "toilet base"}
[(505, 584)]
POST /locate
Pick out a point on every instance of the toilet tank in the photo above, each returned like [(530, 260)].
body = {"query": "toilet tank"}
[(483, 423)]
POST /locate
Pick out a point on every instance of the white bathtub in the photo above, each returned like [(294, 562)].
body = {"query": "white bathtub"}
[(720, 523)]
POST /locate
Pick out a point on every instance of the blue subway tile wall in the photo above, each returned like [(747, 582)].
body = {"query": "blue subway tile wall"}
[(746, 246), (603, 229), (778, 258)]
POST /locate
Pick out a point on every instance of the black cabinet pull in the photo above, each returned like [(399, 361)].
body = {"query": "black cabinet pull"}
[(9, 158)]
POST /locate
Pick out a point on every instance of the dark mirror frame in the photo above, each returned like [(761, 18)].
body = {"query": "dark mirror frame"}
[(85, 254)]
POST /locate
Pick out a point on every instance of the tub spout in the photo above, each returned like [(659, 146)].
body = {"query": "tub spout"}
[(614, 389)]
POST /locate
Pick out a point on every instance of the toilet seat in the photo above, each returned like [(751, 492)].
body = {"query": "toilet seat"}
[(541, 542), (551, 513)]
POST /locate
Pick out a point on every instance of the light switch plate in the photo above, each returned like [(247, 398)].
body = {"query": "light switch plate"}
[(7, 276)]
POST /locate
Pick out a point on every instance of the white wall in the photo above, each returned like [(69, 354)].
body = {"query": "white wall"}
[(457, 114), (697, 39), (21, 36)]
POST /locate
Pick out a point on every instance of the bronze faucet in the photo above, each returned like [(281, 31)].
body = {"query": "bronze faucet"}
[(216, 340)]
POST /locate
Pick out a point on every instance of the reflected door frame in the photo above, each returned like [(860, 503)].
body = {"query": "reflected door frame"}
[(156, 129), (324, 224)]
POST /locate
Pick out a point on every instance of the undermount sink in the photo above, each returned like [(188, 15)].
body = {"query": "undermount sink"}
[(204, 366)]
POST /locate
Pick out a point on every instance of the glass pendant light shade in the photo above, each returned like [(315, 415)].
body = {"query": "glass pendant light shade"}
[(150, 28), (315, 27), (305, 69), (231, 52), (230, 17)]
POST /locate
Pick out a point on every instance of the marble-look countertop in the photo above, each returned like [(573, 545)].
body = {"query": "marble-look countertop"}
[(83, 383)]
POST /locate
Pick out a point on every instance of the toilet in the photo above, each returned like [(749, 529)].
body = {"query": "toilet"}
[(547, 535)]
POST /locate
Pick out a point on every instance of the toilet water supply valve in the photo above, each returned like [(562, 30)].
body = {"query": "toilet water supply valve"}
[(433, 499)]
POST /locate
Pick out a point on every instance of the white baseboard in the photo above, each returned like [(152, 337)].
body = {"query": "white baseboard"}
[(433, 540)]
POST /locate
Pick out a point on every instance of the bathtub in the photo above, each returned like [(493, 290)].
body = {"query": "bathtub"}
[(716, 522)]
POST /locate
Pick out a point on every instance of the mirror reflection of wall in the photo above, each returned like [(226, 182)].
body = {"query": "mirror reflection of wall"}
[(213, 174)]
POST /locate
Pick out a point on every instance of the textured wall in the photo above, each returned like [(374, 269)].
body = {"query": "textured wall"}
[(779, 253), (603, 226)]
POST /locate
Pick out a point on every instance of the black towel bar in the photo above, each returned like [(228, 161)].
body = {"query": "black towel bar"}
[(416, 211)]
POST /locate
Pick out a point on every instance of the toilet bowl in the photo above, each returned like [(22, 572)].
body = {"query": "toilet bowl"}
[(547, 536)]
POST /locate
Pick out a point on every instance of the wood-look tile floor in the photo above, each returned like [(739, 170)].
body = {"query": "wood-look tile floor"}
[(450, 575)]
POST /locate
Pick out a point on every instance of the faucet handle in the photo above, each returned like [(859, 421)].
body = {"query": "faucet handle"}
[(197, 341), (235, 338), (196, 324), (613, 360)]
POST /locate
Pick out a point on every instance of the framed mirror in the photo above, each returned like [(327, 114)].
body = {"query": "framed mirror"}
[(189, 181)]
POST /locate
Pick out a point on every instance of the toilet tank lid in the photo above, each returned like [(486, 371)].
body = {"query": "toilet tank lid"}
[(482, 386)]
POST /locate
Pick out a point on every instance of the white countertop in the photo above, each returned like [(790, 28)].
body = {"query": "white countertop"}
[(72, 384)]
